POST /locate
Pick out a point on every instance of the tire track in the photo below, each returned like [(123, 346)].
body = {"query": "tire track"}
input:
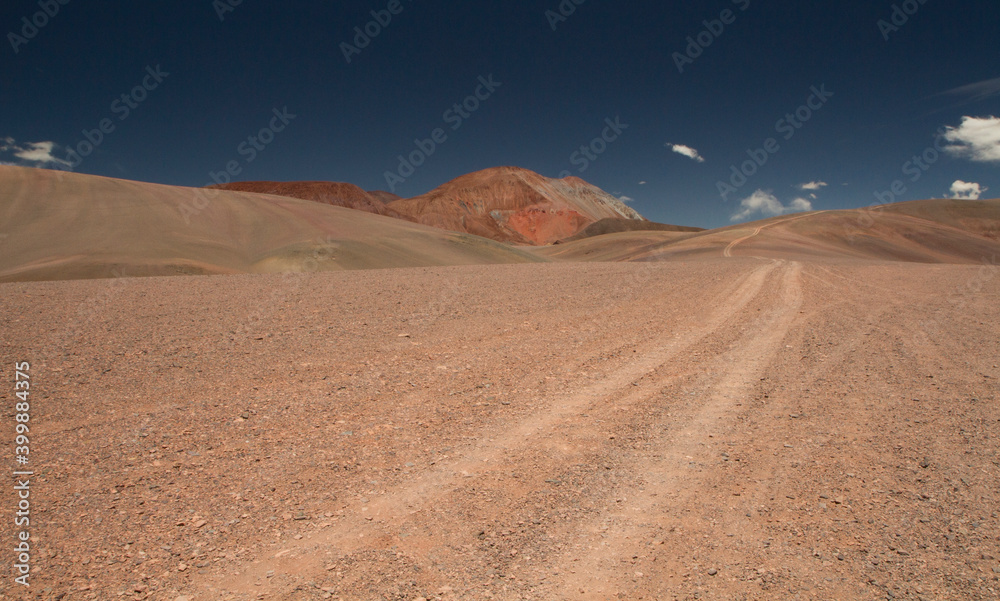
[(668, 482), (483, 461)]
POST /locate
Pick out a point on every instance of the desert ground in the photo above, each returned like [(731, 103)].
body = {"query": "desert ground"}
[(723, 428), (272, 398)]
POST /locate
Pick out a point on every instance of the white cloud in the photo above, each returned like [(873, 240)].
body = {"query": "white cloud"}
[(31, 154), (800, 204), (687, 151), (626, 199), (813, 186), (768, 205), (642, 183), (977, 139), (966, 191)]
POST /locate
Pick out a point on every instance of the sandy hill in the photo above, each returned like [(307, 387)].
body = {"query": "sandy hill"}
[(927, 231), (338, 194), (614, 226), (56, 225), (515, 205)]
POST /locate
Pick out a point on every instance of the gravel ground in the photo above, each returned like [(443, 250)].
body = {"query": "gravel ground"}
[(715, 429)]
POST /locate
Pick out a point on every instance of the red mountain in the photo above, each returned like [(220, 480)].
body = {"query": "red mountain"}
[(515, 205)]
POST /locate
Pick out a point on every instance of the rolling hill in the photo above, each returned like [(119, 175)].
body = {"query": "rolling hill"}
[(56, 226)]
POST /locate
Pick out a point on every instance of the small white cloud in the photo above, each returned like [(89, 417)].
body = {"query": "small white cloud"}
[(767, 205), (687, 151), (625, 199), (32, 154), (966, 190), (812, 186), (976, 139), (642, 183), (800, 204)]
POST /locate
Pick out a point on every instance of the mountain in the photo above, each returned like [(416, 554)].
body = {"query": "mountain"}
[(515, 205), (338, 194), (57, 226)]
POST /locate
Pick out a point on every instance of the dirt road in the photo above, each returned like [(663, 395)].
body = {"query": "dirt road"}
[(732, 428), (728, 252)]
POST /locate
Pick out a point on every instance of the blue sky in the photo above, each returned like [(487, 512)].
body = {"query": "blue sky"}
[(693, 90)]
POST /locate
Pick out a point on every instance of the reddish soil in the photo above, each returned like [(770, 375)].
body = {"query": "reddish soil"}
[(540, 226), (715, 429), (515, 205)]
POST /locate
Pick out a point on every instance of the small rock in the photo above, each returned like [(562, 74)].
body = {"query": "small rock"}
[(926, 463), (184, 598), (713, 572)]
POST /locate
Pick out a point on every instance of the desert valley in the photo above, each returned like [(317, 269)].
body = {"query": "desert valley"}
[(511, 387)]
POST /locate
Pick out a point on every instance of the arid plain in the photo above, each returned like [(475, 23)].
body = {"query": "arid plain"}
[(804, 407)]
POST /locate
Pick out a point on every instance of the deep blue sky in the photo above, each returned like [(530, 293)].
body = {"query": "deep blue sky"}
[(606, 60)]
